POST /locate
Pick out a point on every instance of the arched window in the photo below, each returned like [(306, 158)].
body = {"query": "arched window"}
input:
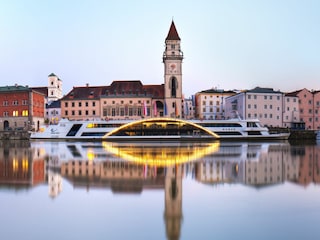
[(173, 86)]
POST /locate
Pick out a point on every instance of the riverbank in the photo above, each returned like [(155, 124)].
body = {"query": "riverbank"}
[(14, 135), (296, 135)]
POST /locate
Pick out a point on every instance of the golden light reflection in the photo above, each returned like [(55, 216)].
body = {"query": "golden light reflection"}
[(25, 165), (163, 122), (160, 155), (15, 165), (90, 155)]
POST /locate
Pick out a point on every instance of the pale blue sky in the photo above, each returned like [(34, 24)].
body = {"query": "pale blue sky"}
[(229, 44)]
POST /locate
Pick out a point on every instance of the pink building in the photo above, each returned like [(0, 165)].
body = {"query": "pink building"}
[(309, 106)]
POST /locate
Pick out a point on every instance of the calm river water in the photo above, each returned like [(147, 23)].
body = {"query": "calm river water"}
[(221, 190)]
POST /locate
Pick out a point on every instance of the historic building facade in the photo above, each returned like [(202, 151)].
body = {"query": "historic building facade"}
[(130, 99), (264, 104), (21, 108), (210, 104), (291, 116)]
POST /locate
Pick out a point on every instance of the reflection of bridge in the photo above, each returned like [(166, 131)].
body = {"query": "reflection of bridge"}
[(161, 154)]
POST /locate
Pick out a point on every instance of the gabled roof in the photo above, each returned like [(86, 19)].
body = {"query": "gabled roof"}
[(173, 34)]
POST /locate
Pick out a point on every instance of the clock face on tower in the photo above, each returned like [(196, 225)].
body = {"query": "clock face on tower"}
[(173, 67)]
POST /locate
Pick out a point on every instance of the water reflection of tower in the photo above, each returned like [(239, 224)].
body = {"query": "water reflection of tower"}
[(54, 183), (173, 201)]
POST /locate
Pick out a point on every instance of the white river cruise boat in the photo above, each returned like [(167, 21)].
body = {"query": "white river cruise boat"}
[(157, 129)]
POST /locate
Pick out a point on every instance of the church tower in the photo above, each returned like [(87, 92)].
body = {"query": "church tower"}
[(172, 59), (54, 87)]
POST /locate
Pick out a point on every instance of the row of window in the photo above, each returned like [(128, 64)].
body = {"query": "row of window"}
[(23, 113), (86, 113), (14, 103), (265, 107), (124, 111), (217, 96), (53, 112), (265, 97), (211, 110), (86, 104), (111, 112), (310, 111), (262, 115), (210, 103)]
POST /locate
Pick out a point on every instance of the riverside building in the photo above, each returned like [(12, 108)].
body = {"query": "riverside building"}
[(130, 99), (22, 108)]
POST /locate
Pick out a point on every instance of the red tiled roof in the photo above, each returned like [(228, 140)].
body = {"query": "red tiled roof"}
[(84, 92), (173, 34), (117, 88), (157, 91), (293, 94)]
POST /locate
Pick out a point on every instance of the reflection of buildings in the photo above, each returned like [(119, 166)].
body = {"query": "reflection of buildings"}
[(255, 164), (309, 164), (119, 176), (91, 165), (18, 166)]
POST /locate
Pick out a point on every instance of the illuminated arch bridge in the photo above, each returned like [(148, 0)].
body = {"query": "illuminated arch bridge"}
[(163, 128)]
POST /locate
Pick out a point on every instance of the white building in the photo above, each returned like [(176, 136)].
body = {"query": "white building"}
[(53, 112), (188, 108), (210, 104)]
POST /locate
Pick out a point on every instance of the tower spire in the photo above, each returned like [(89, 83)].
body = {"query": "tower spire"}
[(173, 34)]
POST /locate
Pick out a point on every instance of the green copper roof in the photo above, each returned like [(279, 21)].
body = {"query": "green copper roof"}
[(14, 88)]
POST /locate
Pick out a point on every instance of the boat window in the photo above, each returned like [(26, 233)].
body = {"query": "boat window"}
[(93, 134), (254, 133), (251, 124), (228, 133), (104, 125), (220, 125), (73, 131)]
